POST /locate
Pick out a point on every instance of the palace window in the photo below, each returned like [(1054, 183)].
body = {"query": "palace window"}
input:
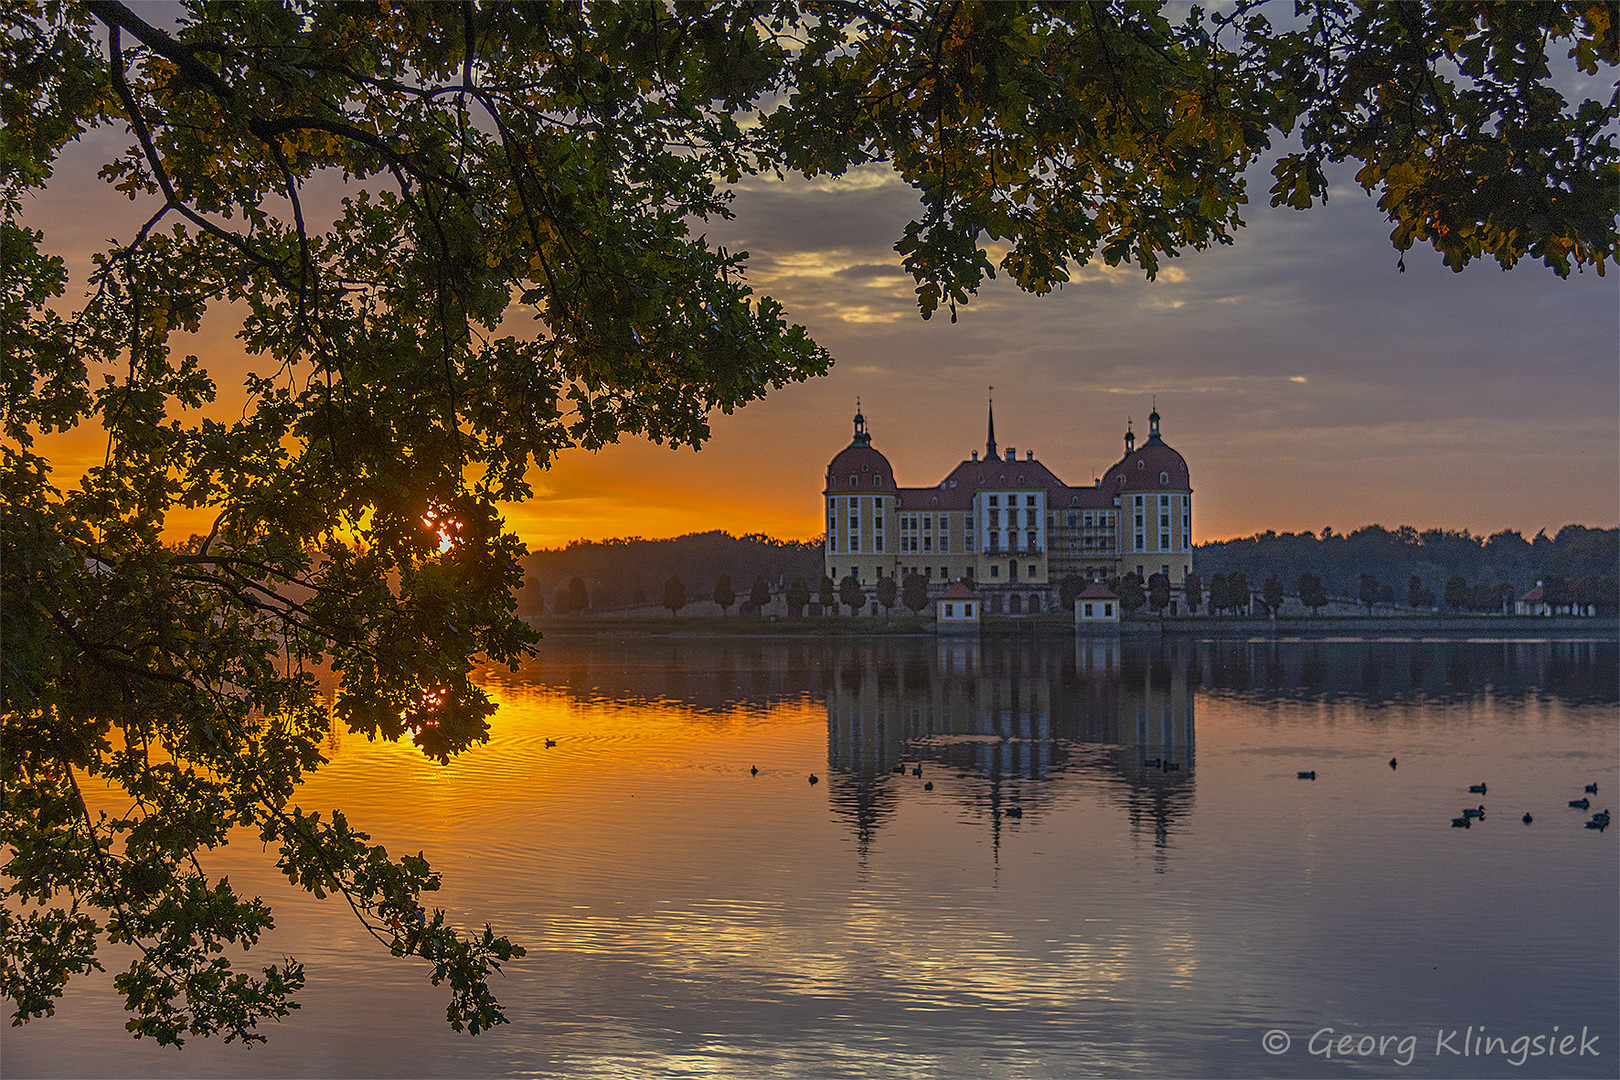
[(995, 569)]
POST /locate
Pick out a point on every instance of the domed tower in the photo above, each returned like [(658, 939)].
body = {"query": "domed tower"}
[(1153, 490), (860, 495)]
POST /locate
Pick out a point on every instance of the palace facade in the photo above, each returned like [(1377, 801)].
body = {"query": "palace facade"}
[(1007, 524)]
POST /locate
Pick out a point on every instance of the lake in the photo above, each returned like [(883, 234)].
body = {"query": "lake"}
[(1096, 859)]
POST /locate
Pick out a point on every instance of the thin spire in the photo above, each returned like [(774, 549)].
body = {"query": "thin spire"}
[(990, 435), (861, 436)]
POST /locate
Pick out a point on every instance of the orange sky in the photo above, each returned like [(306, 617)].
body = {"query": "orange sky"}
[(1307, 382)]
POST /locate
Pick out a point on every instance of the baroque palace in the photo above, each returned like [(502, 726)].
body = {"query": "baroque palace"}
[(1007, 524)]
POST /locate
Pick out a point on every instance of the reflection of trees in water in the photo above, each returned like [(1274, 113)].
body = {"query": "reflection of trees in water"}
[(1390, 671), (710, 675), (717, 674)]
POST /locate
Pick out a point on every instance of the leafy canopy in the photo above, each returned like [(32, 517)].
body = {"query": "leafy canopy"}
[(509, 269)]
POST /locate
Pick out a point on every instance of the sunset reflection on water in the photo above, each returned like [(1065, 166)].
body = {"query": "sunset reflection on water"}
[(685, 915)]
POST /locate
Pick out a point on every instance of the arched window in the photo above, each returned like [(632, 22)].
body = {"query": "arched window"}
[(1015, 605)]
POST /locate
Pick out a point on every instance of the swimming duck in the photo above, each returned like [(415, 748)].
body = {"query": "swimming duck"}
[(916, 770), (1308, 775), (1392, 763), (929, 786), (551, 743), (1527, 818), (1153, 763), (1591, 789), (814, 779), (1015, 811), (1461, 823), (1478, 812), (898, 769), (1477, 789), (1582, 803), (753, 770), (1599, 820)]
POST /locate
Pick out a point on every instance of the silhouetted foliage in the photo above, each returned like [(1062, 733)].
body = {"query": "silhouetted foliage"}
[(674, 594), (1433, 555), (888, 592), (914, 592), (1129, 591), (1312, 592), (1158, 592), (851, 595), (724, 594), (1367, 591), (1192, 587), (633, 566), (1272, 594), (1457, 593), (798, 597)]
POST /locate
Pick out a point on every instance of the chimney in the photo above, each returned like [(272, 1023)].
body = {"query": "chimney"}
[(1029, 455), (1012, 454)]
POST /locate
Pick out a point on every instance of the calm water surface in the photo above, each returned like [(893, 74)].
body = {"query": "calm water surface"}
[(1062, 902)]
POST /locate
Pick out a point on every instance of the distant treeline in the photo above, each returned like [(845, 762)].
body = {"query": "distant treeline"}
[(616, 574), (1434, 557), (632, 572)]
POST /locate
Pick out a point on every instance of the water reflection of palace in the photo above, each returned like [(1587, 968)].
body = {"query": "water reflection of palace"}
[(1016, 720)]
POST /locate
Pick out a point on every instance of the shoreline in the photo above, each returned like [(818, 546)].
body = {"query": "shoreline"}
[(1303, 627)]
